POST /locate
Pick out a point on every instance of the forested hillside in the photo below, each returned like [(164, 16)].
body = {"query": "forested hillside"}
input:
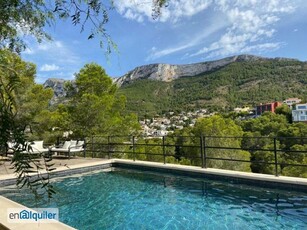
[(237, 84)]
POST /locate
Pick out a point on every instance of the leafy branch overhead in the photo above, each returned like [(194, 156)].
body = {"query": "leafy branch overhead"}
[(19, 18)]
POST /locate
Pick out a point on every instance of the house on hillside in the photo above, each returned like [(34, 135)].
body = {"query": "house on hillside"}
[(244, 109), (269, 107), (291, 101), (299, 113)]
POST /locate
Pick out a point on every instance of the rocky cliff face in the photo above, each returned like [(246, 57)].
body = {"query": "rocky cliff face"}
[(167, 72), (58, 87)]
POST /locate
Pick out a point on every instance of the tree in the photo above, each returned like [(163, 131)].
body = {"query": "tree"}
[(30, 17), (259, 134), (94, 109), (295, 158), (12, 73), (268, 124), (30, 99), (222, 132), (284, 110)]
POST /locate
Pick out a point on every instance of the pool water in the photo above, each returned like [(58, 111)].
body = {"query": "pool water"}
[(131, 199)]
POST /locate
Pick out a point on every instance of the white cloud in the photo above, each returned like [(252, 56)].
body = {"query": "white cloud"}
[(49, 46), (53, 51), (247, 25), (46, 67), (59, 55), (262, 47), (252, 23), (139, 10), (197, 39), (28, 51)]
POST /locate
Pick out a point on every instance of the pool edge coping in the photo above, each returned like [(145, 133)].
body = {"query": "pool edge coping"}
[(174, 167), (218, 172)]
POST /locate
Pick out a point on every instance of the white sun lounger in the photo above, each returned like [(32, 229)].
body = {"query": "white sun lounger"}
[(69, 147)]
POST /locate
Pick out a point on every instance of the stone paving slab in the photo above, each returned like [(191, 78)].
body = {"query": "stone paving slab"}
[(5, 163)]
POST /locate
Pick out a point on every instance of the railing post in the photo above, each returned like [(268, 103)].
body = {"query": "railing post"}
[(202, 150), (92, 146), (163, 144), (84, 147), (133, 147), (275, 156), (205, 152), (109, 148)]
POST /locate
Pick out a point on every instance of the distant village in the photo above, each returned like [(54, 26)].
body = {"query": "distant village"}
[(167, 123)]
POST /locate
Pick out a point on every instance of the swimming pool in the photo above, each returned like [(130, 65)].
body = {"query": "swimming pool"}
[(135, 199)]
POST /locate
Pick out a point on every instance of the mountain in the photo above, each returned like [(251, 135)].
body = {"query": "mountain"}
[(168, 73), (215, 85), (58, 88)]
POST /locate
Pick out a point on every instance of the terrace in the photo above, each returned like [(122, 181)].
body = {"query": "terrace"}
[(103, 153)]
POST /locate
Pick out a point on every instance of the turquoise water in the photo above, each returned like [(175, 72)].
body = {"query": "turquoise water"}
[(130, 199)]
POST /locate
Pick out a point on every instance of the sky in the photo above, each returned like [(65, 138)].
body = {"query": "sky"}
[(187, 31)]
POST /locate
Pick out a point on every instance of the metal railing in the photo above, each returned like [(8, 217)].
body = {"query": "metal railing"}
[(203, 150)]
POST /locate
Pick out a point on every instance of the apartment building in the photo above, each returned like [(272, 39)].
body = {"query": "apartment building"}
[(299, 112), (269, 107)]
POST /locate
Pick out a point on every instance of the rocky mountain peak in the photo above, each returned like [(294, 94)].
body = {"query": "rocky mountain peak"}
[(168, 72), (58, 88)]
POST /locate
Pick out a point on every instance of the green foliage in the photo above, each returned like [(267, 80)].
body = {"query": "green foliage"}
[(295, 158), (27, 170), (30, 99), (215, 127), (19, 17), (294, 134), (144, 150), (259, 134), (252, 140), (94, 109), (237, 84), (147, 97), (13, 71), (269, 124), (286, 111), (27, 16)]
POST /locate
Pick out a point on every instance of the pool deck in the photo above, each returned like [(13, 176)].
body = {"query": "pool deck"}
[(66, 167), (59, 162)]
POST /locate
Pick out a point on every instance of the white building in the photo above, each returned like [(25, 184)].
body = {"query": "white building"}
[(300, 112), (291, 101)]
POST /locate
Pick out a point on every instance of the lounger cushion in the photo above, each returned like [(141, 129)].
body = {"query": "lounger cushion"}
[(38, 147), (73, 143), (66, 145), (80, 145)]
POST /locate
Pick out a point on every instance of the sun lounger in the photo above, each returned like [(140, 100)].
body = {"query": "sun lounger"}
[(69, 147), (35, 147)]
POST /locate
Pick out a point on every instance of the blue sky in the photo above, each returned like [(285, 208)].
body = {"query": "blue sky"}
[(187, 31)]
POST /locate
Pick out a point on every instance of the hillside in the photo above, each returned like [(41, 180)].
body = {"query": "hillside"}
[(244, 82), (215, 85), (168, 73)]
